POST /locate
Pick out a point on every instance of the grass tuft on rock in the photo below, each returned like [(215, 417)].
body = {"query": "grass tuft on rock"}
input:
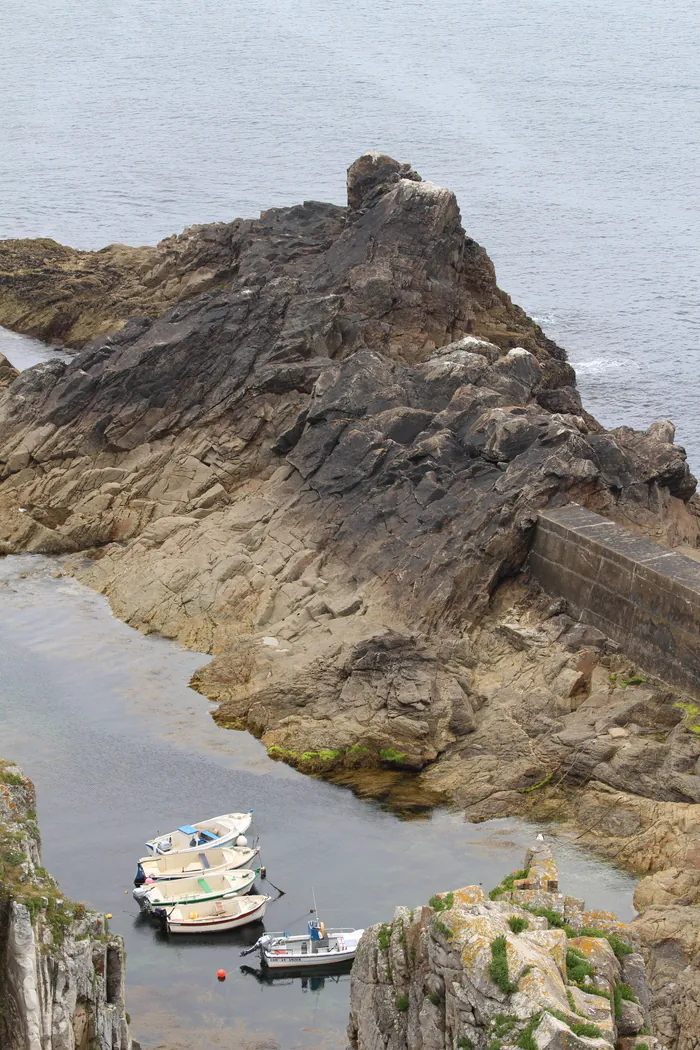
[(578, 967), (508, 883), (622, 992), (498, 967), (518, 924), (526, 1039), (402, 1003), (442, 902), (384, 937)]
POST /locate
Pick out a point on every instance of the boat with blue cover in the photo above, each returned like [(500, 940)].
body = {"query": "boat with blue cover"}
[(224, 830)]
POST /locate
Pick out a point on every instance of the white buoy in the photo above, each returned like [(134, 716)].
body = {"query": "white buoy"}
[(241, 840)]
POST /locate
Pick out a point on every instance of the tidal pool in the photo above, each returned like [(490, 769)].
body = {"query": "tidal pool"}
[(102, 719)]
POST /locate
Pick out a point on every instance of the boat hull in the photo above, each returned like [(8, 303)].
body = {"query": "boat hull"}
[(154, 898), (216, 923), (306, 962), (238, 857)]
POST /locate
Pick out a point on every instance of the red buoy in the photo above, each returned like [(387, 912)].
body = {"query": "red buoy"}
[(221, 974)]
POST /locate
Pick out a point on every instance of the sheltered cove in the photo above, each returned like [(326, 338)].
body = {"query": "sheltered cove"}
[(324, 463)]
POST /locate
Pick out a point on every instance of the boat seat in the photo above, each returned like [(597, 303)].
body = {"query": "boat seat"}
[(203, 859), (220, 910), (205, 885)]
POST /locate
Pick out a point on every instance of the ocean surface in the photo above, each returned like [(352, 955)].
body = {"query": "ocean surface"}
[(120, 748), (569, 131)]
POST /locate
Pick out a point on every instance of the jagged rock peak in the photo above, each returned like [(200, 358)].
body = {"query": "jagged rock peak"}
[(372, 174)]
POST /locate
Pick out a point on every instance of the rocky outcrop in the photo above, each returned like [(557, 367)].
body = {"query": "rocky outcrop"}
[(524, 967), (61, 971), (322, 471), (669, 930), (8, 372)]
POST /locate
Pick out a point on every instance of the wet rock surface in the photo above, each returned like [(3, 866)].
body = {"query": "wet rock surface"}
[(61, 971), (526, 966)]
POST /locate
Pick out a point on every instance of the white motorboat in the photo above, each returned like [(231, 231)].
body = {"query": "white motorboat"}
[(211, 916), (188, 865), (189, 838), (316, 948), (169, 892)]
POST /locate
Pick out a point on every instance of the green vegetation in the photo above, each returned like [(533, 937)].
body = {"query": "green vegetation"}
[(526, 1039), (498, 967), (435, 998), (536, 787), (440, 926), (12, 778), (502, 1024), (402, 1003), (495, 1044), (508, 883), (619, 946), (586, 1028), (384, 937), (577, 966), (622, 992), (464, 1043), (553, 918), (396, 758), (633, 679), (692, 711), (518, 924), (593, 989), (442, 902)]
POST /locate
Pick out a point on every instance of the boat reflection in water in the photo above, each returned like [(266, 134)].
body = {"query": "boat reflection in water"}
[(306, 978)]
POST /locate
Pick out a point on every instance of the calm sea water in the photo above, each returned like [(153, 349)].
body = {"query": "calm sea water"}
[(570, 133), (119, 748)]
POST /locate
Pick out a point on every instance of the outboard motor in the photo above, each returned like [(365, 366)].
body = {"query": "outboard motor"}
[(164, 845), (139, 895), (161, 915), (140, 875), (262, 942)]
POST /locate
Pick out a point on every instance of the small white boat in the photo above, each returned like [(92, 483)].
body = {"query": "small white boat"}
[(213, 915), (317, 947), (187, 865), (219, 831), (169, 892)]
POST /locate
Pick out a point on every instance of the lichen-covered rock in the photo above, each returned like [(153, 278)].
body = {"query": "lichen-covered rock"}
[(469, 971), (61, 971)]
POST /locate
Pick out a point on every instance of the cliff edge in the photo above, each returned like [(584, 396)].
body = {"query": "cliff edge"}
[(61, 971)]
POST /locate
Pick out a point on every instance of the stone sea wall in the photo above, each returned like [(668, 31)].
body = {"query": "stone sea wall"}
[(61, 970), (642, 595)]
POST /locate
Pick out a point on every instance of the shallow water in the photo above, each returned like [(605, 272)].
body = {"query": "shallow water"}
[(570, 133), (119, 747)]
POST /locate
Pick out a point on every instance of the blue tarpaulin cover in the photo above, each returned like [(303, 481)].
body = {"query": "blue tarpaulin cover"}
[(187, 829)]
